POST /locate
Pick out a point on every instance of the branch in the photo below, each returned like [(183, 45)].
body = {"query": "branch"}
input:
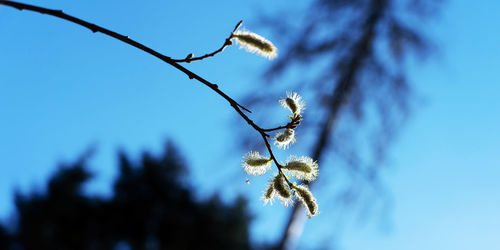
[(291, 125), (227, 42), (95, 28), (274, 129)]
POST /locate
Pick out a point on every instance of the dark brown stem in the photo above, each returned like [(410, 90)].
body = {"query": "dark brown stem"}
[(278, 165), (95, 28), (274, 129), (266, 141), (227, 42), (293, 124)]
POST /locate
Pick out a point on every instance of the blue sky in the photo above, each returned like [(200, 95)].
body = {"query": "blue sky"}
[(64, 89)]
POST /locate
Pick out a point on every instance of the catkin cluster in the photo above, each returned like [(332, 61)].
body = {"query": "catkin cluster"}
[(301, 168)]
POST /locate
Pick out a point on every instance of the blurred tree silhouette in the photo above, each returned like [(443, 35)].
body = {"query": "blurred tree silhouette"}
[(151, 208), (349, 57), (4, 238)]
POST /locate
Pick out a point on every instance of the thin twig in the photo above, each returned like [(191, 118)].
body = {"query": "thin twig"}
[(227, 42), (292, 124), (274, 129), (278, 165), (95, 28)]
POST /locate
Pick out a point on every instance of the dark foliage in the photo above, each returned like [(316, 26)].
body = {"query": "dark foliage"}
[(151, 208), (4, 238)]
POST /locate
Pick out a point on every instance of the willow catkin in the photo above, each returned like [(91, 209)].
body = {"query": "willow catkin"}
[(305, 196), (303, 168), (255, 44)]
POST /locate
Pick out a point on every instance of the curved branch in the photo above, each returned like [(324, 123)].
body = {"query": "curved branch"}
[(95, 28)]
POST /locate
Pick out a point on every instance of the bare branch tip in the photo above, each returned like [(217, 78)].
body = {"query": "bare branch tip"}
[(247, 110), (238, 25)]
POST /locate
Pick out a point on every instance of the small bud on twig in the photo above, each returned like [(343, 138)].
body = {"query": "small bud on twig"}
[(189, 56)]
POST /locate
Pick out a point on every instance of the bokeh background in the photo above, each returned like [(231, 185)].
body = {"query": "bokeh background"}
[(67, 94)]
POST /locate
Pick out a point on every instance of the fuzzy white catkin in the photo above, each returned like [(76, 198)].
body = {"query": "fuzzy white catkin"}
[(285, 138), (282, 190), (269, 193), (255, 164), (293, 102), (254, 43), (303, 168), (308, 201)]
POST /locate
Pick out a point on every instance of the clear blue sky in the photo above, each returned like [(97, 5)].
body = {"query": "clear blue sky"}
[(64, 89)]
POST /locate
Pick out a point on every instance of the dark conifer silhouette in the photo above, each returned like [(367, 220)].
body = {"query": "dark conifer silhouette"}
[(151, 208), (4, 238)]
